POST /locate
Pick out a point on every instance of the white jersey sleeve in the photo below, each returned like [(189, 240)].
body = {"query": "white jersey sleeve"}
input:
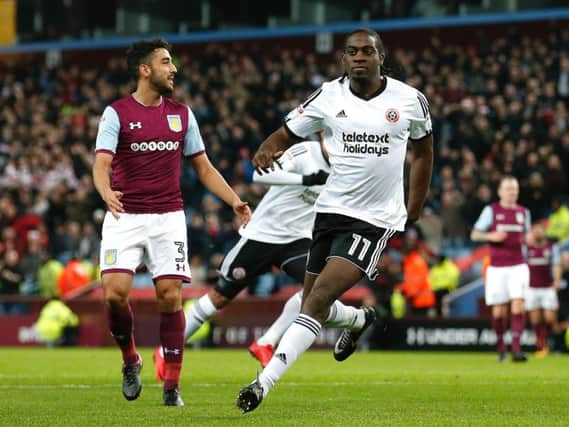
[(278, 177), (193, 143), (298, 160), (421, 125), (308, 117), (286, 212), (108, 132)]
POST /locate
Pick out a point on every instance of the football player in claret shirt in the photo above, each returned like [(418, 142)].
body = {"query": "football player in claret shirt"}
[(140, 144), (503, 225), (541, 302), (368, 119)]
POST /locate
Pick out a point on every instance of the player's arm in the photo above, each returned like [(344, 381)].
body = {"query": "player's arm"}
[(420, 176), (557, 269), (102, 181), (106, 144), (421, 135), (280, 177), (194, 149), (289, 171), (480, 231), (304, 120), (214, 182), (272, 148)]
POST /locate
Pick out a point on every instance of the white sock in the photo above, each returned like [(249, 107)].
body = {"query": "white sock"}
[(296, 340), (279, 326), (200, 312), (345, 316)]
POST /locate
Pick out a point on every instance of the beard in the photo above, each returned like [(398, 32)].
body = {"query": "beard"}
[(161, 86)]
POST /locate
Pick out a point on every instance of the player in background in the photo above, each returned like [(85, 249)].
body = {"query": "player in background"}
[(503, 225), (541, 303), (277, 235), (367, 119), (140, 143)]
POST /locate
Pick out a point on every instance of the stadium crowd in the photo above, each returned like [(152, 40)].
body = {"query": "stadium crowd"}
[(499, 108)]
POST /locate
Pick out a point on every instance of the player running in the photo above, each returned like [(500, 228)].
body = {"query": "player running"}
[(367, 119), (544, 261)]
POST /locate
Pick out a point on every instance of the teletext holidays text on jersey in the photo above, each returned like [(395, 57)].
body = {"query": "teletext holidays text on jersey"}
[(364, 148)]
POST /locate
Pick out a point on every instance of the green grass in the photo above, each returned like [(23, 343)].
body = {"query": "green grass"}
[(81, 387)]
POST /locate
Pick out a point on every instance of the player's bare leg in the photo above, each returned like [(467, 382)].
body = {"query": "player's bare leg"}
[(499, 324), (172, 324), (116, 287), (320, 293)]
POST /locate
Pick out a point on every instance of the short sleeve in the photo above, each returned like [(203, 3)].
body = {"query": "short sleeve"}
[(528, 221), (108, 132), (308, 117), (485, 220), (555, 255), (193, 142), (421, 125)]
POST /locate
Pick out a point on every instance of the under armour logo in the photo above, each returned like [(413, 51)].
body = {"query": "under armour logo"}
[(281, 357), (180, 267), (174, 351), (133, 125), (341, 115)]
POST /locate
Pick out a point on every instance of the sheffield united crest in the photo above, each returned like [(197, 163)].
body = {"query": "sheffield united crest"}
[(392, 115)]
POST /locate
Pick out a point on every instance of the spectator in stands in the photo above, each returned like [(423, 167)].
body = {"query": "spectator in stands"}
[(558, 224), (431, 227), (11, 278), (444, 277), (31, 263), (504, 102), (415, 286), (57, 324)]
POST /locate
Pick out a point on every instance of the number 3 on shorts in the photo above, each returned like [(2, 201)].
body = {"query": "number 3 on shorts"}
[(365, 246), (180, 246)]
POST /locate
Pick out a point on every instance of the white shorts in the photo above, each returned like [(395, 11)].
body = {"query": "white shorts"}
[(157, 240), (545, 298), (504, 284)]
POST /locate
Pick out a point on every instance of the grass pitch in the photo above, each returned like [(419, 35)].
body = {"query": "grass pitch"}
[(81, 387)]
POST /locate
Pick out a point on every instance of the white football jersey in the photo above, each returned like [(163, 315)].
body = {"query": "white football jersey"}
[(286, 212), (367, 143)]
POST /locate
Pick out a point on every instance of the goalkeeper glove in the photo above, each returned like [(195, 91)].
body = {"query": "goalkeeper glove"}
[(318, 178)]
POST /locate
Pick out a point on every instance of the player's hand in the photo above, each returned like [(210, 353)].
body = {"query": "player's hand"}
[(412, 218), (114, 205), (242, 211), (556, 284), (496, 236), (264, 159)]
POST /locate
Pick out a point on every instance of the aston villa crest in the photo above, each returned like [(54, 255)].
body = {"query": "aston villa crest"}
[(174, 122)]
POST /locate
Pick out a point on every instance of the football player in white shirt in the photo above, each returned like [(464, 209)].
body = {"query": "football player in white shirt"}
[(278, 235), (367, 119)]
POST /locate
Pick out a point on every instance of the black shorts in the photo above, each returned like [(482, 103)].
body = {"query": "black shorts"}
[(356, 241), (248, 259)]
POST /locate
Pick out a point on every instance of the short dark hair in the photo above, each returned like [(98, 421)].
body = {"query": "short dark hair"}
[(369, 32), (139, 52)]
